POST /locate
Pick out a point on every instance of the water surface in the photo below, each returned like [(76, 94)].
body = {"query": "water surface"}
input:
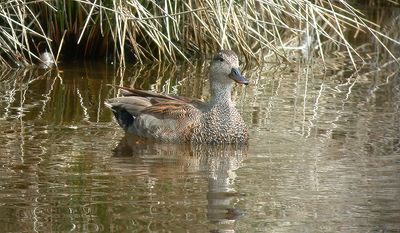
[(324, 154)]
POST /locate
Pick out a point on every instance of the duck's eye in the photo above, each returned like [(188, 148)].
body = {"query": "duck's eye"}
[(220, 58)]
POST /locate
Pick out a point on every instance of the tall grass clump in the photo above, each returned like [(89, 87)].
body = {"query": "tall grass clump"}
[(141, 31)]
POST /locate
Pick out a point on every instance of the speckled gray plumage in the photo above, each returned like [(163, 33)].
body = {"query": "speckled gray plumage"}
[(181, 119), (220, 124)]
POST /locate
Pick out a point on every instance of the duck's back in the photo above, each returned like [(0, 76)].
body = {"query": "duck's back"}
[(167, 122), (167, 119)]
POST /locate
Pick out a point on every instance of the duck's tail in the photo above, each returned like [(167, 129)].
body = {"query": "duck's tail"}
[(123, 117)]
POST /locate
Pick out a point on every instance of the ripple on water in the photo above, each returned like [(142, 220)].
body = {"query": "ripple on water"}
[(321, 159)]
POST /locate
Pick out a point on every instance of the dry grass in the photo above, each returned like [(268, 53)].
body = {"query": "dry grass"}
[(120, 31)]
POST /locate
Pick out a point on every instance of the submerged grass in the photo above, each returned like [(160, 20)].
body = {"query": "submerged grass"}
[(139, 31)]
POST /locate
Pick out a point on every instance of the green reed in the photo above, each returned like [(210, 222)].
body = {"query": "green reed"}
[(140, 31)]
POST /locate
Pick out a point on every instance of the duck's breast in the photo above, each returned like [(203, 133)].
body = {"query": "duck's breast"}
[(221, 126)]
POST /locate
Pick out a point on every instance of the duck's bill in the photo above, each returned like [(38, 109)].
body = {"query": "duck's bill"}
[(238, 77)]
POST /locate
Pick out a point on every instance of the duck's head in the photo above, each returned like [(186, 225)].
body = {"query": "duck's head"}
[(224, 68)]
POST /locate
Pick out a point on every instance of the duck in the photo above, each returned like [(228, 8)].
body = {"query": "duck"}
[(171, 118)]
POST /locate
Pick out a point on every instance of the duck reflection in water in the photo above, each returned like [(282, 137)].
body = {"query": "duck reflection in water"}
[(216, 162)]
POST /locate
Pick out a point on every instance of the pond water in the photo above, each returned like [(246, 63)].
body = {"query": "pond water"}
[(324, 154)]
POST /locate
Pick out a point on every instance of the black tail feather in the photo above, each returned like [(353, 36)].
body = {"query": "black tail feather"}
[(124, 118)]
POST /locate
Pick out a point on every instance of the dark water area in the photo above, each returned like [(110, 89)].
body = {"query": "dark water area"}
[(324, 154)]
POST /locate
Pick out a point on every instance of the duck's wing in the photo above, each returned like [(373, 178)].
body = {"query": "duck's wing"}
[(172, 120), (157, 116)]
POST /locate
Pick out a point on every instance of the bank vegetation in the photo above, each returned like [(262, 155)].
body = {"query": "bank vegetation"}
[(43, 31)]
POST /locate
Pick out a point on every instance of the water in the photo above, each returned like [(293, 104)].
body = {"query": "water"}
[(324, 154)]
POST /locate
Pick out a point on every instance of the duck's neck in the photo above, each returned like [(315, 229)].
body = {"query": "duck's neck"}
[(221, 94)]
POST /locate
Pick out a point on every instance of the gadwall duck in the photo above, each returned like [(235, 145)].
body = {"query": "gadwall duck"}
[(181, 119)]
